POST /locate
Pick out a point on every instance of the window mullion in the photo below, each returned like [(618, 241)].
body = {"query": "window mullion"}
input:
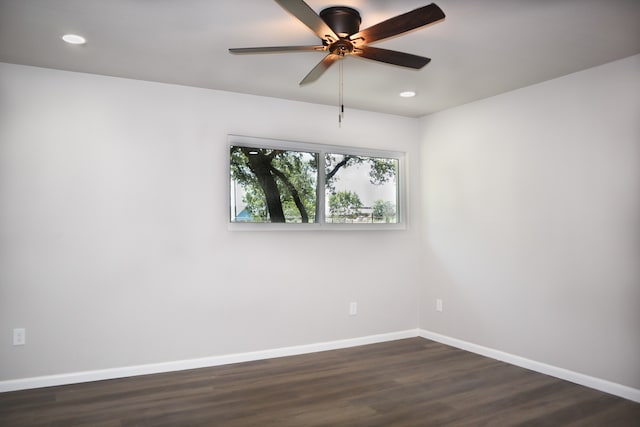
[(320, 195)]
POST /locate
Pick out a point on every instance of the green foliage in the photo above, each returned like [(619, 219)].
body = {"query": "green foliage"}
[(344, 205), (381, 170), (279, 185), (383, 211)]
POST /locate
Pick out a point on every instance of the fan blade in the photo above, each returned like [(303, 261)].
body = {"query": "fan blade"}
[(401, 24), (308, 17), (392, 57), (276, 49), (319, 69)]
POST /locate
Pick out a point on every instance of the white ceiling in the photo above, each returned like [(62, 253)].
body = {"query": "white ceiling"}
[(482, 48)]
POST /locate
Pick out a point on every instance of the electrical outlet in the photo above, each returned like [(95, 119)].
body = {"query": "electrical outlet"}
[(438, 304), (19, 336), (353, 308)]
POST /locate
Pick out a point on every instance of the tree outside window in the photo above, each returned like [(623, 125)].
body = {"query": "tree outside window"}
[(280, 185)]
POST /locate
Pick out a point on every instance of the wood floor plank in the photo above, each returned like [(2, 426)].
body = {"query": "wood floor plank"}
[(412, 382)]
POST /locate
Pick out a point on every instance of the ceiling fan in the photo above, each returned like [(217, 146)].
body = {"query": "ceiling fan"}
[(339, 29)]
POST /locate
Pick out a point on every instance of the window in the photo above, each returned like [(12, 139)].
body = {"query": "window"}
[(360, 189), (277, 184)]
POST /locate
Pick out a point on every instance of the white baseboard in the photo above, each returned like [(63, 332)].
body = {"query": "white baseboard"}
[(181, 365), (564, 374)]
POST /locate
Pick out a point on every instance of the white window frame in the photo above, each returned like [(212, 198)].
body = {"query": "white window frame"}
[(321, 149)]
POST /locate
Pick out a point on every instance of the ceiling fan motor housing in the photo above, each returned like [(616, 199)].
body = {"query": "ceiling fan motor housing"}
[(344, 21)]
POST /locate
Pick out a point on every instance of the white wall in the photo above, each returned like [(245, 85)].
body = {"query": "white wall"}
[(532, 213), (114, 248)]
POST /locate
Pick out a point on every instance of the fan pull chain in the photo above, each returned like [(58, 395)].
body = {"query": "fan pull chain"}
[(341, 93)]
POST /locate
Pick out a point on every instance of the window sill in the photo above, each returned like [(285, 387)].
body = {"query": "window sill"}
[(238, 226)]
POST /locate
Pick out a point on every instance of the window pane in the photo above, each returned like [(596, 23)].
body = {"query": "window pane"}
[(361, 189), (272, 185)]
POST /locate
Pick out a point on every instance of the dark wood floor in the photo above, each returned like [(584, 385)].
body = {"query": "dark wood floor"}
[(412, 382)]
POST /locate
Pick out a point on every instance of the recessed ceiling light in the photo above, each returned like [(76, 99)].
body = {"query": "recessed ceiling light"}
[(74, 39), (408, 94)]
